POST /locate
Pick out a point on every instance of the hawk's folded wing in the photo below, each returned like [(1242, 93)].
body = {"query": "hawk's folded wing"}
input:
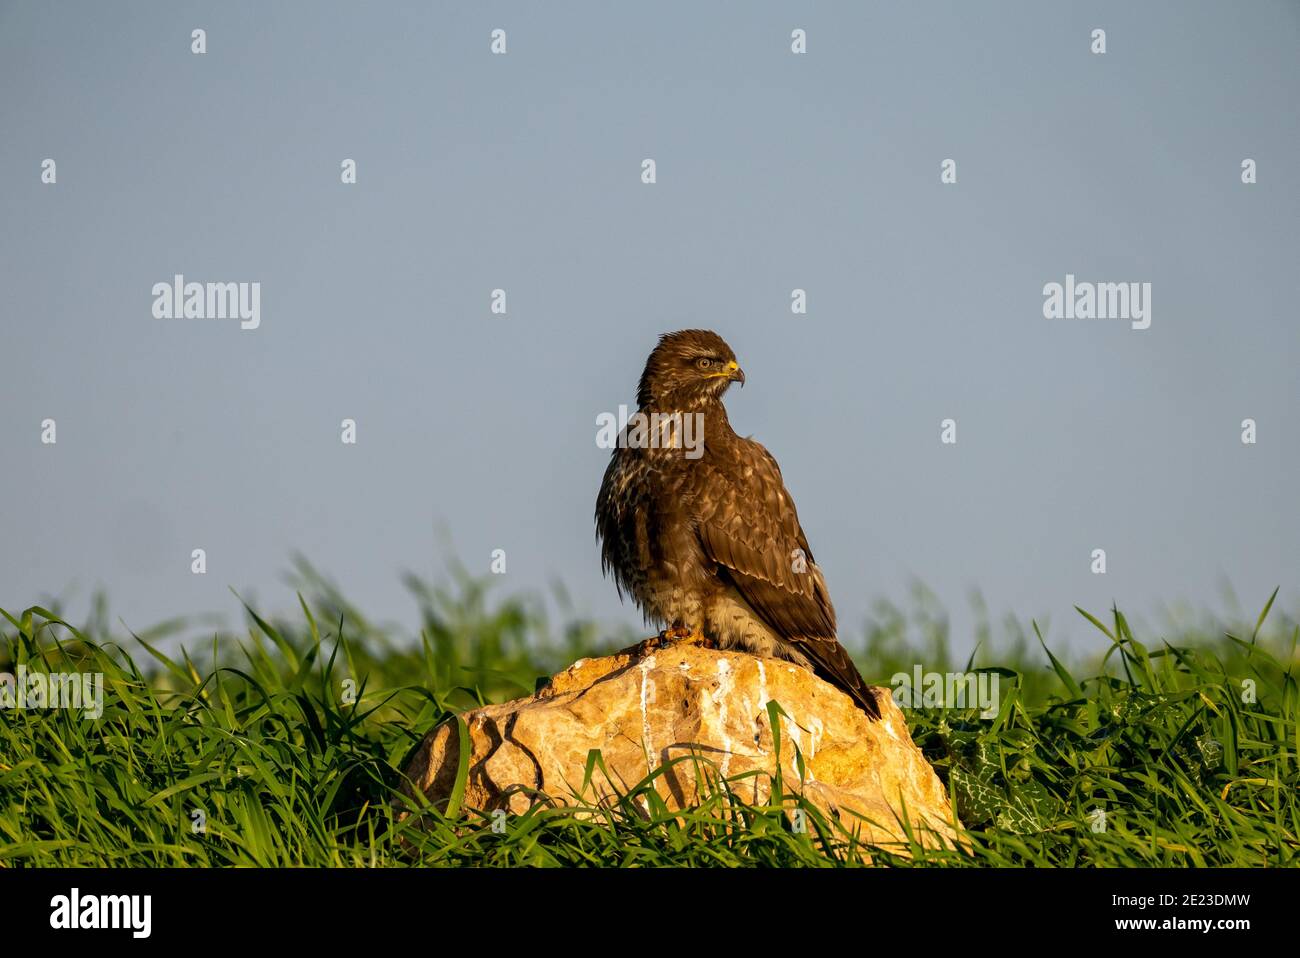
[(747, 524)]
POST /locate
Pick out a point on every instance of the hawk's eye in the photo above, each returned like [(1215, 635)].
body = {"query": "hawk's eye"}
[(704, 362)]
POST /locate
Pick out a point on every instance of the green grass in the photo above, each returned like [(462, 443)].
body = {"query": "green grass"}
[(260, 740)]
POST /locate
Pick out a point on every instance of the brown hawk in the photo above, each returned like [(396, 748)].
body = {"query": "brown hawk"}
[(704, 535)]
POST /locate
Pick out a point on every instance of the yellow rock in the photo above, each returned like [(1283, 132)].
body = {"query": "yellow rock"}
[(644, 707)]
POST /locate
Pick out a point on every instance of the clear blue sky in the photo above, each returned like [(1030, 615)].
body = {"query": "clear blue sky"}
[(522, 171)]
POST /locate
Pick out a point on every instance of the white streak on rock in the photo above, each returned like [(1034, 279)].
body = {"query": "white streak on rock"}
[(647, 664), (816, 730), (726, 680), (759, 717)]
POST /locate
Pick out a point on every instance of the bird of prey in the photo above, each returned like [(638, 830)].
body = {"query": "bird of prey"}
[(705, 537)]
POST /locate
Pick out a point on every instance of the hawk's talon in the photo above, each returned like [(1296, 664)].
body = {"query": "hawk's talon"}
[(703, 641), (683, 636)]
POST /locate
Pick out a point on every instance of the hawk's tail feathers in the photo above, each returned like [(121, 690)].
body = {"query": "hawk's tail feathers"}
[(830, 661)]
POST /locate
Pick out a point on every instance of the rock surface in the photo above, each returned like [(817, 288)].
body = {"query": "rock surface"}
[(643, 707)]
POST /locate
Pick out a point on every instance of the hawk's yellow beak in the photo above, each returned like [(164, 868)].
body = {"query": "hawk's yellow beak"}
[(731, 371)]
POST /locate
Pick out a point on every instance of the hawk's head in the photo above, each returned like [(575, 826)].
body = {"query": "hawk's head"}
[(687, 368)]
